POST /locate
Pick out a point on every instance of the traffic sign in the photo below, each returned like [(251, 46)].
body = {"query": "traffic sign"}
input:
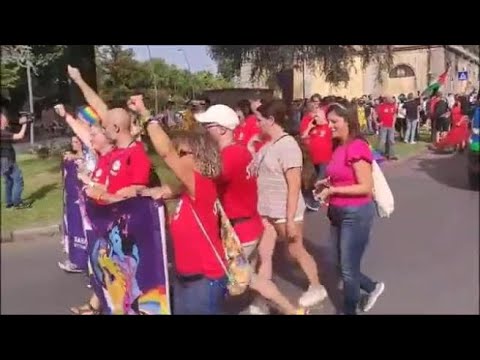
[(463, 75)]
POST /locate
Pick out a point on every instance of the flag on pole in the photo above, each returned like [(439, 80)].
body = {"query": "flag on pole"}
[(435, 86)]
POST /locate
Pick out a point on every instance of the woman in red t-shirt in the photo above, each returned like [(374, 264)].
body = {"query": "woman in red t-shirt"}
[(93, 138), (200, 285), (238, 193)]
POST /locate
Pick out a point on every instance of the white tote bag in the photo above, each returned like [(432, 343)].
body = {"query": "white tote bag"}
[(382, 194)]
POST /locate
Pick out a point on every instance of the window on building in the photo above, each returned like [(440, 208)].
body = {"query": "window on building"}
[(401, 71)]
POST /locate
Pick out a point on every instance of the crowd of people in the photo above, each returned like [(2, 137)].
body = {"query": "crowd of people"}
[(244, 157), (250, 158)]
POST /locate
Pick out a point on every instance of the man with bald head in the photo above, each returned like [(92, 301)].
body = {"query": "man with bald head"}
[(129, 163)]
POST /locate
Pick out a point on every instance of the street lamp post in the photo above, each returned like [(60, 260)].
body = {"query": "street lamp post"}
[(154, 79), (30, 98), (189, 69)]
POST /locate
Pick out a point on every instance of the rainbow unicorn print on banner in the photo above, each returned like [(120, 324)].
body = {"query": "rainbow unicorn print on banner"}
[(89, 115), (128, 257)]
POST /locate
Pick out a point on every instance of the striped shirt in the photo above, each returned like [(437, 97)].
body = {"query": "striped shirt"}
[(274, 160)]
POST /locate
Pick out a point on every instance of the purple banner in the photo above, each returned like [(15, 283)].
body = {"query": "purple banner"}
[(128, 256), (74, 235)]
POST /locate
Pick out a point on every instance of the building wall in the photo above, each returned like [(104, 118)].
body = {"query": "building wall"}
[(315, 83), (460, 63), (426, 63)]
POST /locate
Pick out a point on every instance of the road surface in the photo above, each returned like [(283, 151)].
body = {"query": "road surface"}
[(427, 253)]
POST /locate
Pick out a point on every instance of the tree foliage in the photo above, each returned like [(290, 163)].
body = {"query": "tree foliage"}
[(16, 57), (333, 60), (119, 74)]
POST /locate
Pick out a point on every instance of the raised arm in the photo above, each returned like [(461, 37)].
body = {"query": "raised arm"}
[(89, 94), (79, 127), (21, 134), (163, 145)]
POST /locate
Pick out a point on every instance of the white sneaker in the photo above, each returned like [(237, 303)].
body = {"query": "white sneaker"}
[(69, 267), (373, 296), (259, 306), (313, 296), (413, 142)]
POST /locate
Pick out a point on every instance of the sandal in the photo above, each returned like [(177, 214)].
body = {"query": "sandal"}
[(86, 309)]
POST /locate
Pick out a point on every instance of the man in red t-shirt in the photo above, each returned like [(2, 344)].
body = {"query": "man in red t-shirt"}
[(237, 191), (317, 138), (129, 165), (386, 118)]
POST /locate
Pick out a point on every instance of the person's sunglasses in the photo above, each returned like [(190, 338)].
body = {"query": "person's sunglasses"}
[(182, 153)]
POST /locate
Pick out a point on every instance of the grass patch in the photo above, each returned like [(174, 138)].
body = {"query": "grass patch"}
[(402, 149), (43, 186)]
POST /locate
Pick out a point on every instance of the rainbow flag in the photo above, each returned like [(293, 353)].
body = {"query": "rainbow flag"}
[(90, 115)]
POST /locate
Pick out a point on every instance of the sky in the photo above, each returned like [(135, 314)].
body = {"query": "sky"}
[(196, 55)]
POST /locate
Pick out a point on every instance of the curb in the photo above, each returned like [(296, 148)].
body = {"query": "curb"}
[(29, 234)]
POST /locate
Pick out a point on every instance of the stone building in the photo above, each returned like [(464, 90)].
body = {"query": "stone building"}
[(414, 67)]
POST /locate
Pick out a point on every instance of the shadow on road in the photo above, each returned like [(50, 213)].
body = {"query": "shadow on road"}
[(447, 169), (286, 268), (42, 192)]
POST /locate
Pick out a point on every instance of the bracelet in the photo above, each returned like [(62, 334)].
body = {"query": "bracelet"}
[(151, 121)]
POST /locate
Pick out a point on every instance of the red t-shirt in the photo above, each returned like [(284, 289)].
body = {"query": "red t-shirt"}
[(318, 142), (245, 131), (129, 166), (193, 252), (100, 174), (386, 114), (237, 192)]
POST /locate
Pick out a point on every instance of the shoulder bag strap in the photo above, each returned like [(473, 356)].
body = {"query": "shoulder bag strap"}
[(199, 223)]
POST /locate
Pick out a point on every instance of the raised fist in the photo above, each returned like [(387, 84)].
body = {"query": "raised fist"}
[(136, 104), (74, 73), (60, 110)]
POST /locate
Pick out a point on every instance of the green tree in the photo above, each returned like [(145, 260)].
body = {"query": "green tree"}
[(119, 74), (44, 64), (333, 60)]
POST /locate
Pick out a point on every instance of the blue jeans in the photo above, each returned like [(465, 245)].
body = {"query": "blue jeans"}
[(411, 129), (199, 297), (349, 236), (13, 182), (387, 134)]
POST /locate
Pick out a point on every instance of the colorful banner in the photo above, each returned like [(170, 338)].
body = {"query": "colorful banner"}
[(128, 256), (74, 236)]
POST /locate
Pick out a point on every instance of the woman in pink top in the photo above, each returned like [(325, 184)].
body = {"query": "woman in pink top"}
[(348, 189)]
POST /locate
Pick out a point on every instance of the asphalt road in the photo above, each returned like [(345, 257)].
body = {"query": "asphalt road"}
[(427, 253)]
